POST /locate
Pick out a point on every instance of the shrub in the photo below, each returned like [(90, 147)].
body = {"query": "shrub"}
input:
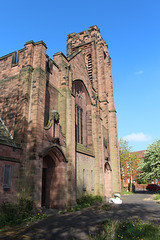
[(88, 200), (84, 202), (136, 230), (25, 207), (14, 214), (127, 230), (8, 214), (157, 197)]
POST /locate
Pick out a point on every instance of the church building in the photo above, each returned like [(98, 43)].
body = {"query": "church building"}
[(58, 124)]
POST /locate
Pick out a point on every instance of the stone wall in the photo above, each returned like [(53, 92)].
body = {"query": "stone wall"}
[(90, 43), (85, 174), (10, 156)]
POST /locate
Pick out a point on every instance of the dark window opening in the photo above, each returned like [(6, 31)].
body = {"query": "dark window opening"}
[(86, 129), (92, 183), (7, 176), (84, 187), (81, 120), (79, 124)]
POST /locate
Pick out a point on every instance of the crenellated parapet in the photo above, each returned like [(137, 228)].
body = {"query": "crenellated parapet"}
[(85, 37), (33, 54)]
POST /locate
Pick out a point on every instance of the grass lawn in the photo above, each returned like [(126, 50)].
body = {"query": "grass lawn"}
[(127, 193), (127, 230), (22, 212), (157, 197)]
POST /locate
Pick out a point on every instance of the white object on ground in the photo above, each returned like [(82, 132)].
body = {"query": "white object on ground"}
[(116, 199), (117, 195)]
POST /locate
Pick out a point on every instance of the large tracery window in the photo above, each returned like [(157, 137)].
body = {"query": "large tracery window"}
[(79, 115), (83, 119)]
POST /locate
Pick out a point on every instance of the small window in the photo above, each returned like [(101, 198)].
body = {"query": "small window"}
[(7, 176), (84, 187), (92, 184)]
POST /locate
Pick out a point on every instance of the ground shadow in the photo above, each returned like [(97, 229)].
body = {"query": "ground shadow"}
[(145, 192), (78, 225)]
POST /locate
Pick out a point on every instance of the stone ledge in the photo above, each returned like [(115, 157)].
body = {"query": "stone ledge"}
[(9, 159), (112, 110), (82, 149), (36, 43)]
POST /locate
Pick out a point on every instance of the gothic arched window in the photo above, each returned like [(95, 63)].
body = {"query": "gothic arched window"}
[(83, 119), (79, 115)]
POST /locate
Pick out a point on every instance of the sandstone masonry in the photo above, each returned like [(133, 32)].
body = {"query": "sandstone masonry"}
[(61, 115)]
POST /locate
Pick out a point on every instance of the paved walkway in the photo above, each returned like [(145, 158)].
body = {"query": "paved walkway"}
[(78, 225)]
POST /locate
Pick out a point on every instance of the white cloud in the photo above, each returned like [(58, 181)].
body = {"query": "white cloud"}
[(139, 72), (138, 137)]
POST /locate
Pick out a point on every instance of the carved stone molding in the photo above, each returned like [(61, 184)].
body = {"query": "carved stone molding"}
[(54, 117)]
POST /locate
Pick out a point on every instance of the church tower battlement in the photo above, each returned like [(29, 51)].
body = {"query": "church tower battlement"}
[(85, 37)]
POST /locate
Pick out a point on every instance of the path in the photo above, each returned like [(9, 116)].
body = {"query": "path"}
[(77, 225)]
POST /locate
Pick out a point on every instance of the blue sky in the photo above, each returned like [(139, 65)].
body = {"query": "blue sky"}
[(132, 30)]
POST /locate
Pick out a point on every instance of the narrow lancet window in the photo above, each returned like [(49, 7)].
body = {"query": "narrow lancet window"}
[(81, 121), (90, 68)]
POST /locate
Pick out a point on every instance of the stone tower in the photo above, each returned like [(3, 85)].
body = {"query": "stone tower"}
[(98, 63)]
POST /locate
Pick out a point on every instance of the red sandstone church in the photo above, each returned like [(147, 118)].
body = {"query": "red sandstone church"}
[(58, 126)]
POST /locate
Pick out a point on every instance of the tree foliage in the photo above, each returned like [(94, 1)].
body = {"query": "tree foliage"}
[(128, 161), (124, 150), (150, 167)]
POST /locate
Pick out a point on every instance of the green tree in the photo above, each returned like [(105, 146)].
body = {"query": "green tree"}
[(150, 167), (128, 161), (124, 150)]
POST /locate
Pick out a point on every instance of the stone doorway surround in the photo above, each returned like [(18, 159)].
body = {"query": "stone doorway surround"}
[(54, 178)]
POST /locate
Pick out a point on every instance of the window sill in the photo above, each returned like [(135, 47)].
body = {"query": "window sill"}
[(6, 189), (82, 149)]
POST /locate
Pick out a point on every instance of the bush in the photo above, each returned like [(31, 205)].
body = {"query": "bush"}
[(88, 200), (85, 202), (8, 214), (14, 214), (136, 230), (157, 197), (25, 207), (127, 230)]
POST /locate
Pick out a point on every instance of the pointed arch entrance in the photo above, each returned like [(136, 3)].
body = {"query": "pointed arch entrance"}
[(54, 178)]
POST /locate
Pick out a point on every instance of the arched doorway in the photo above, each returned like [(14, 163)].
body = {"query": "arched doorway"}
[(108, 179), (54, 178)]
